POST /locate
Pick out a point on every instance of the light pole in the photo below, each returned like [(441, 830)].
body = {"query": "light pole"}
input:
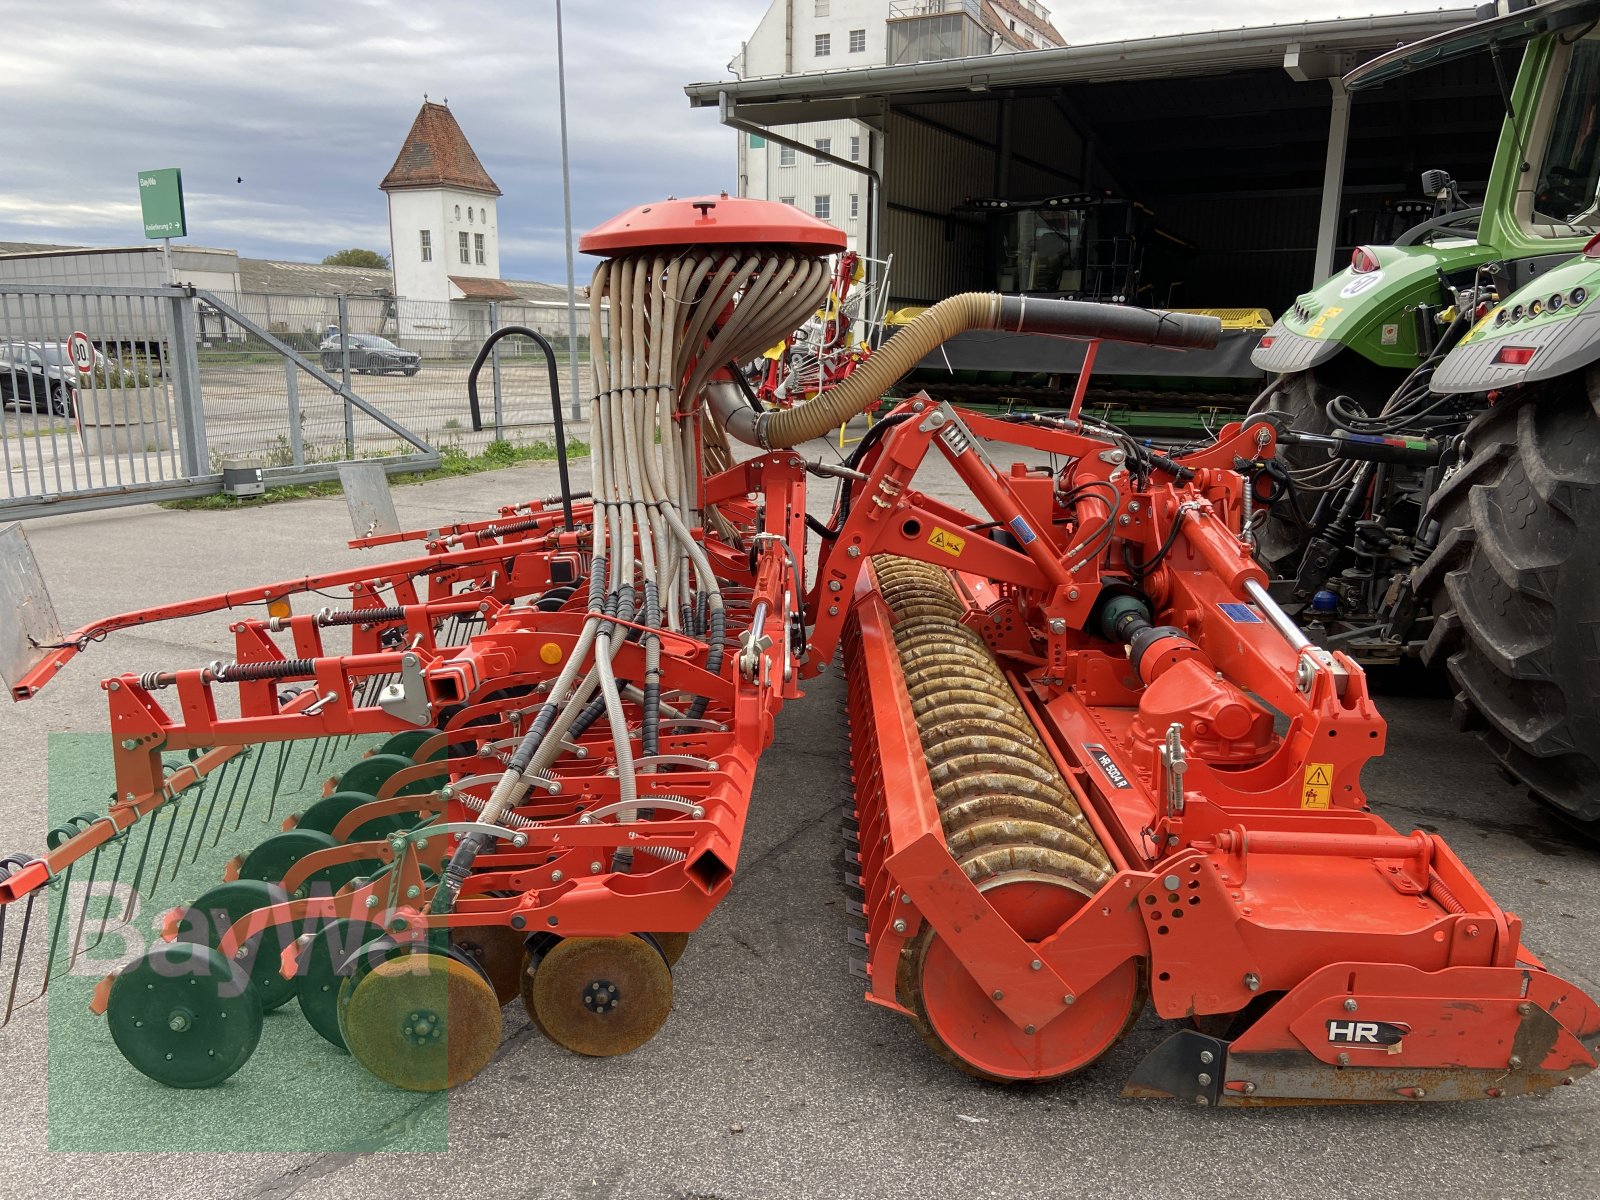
[(566, 224)]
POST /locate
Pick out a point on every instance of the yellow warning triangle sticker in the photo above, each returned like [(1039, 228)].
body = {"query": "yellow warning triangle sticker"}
[(1317, 776)]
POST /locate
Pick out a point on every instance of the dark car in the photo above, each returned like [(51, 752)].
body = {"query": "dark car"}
[(39, 377), (369, 353)]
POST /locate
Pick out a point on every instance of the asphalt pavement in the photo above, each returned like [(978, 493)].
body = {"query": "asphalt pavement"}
[(772, 1077)]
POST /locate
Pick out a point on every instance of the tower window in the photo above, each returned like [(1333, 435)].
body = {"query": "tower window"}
[(427, 245), (477, 248), (465, 249)]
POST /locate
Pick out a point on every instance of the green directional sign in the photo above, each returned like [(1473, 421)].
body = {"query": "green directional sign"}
[(161, 201)]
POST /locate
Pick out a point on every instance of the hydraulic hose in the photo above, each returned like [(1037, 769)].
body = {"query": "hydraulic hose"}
[(957, 314)]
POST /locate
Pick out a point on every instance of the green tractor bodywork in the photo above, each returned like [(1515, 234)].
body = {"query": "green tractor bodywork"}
[(1437, 486), (1547, 159)]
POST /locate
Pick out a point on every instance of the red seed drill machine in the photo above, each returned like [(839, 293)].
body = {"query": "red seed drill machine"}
[(1095, 765)]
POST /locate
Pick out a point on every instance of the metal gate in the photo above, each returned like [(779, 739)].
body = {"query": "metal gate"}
[(105, 400)]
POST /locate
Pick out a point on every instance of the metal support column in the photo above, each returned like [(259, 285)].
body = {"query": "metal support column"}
[(291, 390), (1332, 182), (344, 363), (494, 363), (185, 366)]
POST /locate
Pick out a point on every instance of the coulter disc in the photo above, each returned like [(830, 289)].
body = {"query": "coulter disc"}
[(672, 945), (406, 744), (422, 1022), (497, 950), (209, 917), (601, 996), (371, 773), (271, 860), (324, 965), (184, 1016), (324, 817)]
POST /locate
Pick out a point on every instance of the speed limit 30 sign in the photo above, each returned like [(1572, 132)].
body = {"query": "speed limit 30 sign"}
[(82, 351)]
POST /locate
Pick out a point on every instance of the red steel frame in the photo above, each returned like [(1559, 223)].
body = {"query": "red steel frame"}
[(1264, 881)]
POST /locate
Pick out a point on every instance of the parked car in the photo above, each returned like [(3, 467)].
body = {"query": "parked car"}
[(40, 377), (370, 354)]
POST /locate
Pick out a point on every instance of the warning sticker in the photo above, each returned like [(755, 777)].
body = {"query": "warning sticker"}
[(1317, 790), (951, 543)]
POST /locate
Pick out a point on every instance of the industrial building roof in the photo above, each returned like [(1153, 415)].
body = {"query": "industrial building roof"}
[(1139, 58), (437, 154)]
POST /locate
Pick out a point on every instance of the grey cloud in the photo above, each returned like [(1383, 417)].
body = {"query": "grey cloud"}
[(308, 102)]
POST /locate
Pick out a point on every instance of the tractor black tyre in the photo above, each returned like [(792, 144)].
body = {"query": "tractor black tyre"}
[(1303, 397), (1514, 584)]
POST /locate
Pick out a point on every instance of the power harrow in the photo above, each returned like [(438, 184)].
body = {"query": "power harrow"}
[(1095, 765)]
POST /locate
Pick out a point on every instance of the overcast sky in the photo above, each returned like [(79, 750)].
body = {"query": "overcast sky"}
[(307, 102)]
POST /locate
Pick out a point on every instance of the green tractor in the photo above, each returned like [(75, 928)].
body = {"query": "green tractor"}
[(1438, 491)]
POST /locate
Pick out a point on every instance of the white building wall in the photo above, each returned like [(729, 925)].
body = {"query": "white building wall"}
[(786, 42), (446, 213)]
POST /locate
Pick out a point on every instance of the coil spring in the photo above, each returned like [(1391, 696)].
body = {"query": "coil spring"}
[(360, 616), (222, 672)]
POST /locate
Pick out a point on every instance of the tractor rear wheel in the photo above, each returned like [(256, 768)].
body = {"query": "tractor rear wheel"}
[(1514, 584)]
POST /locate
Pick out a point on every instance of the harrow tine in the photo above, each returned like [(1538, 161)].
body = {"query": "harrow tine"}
[(138, 874), (328, 746), (311, 754), (111, 890), (244, 802), (171, 808), (64, 882), (284, 751), (216, 794), (83, 909), (194, 812), (17, 961)]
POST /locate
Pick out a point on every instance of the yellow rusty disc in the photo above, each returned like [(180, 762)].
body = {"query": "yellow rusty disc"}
[(550, 653), (672, 945), (423, 1022), (601, 996), (498, 950)]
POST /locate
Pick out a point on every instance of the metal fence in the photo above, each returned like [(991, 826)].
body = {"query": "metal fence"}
[(103, 402), (431, 399), (173, 385)]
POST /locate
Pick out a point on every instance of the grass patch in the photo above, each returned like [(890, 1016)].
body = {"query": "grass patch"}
[(453, 461)]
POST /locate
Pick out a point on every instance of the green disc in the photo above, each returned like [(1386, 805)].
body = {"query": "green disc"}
[(371, 773), (271, 860), (184, 1016), (209, 917), (330, 958), (324, 817), (407, 744)]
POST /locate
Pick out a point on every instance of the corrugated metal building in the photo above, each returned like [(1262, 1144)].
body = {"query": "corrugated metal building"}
[(1242, 142)]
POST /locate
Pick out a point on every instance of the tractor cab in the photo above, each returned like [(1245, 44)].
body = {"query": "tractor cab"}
[(1082, 246)]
